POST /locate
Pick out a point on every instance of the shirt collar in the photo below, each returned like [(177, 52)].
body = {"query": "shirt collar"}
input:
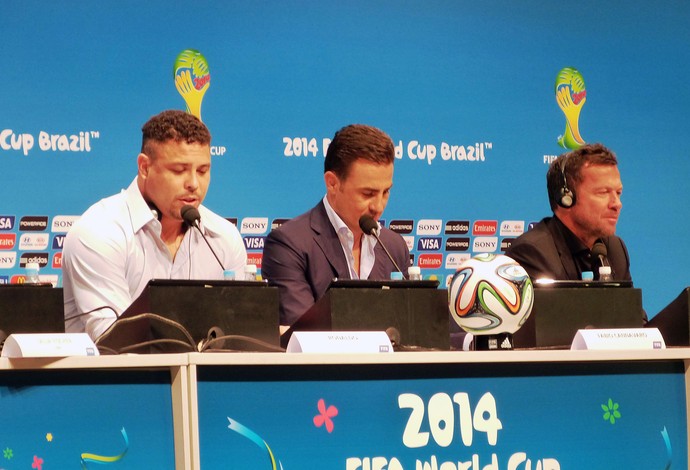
[(141, 214), (139, 211), (347, 240), (336, 221)]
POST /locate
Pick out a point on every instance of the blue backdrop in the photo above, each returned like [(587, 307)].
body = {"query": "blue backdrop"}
[(435, 75)]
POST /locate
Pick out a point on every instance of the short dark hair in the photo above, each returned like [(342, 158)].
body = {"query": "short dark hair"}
[(358, 141), (567, 168), (175, 125)]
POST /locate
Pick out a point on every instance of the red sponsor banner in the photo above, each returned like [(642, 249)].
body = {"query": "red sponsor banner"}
[(57, 260), (484, 227), (430, 260), (8, 241), (255, 259), (18, 279)]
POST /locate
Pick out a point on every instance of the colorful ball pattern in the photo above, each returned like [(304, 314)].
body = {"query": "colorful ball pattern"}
[(490, 294)]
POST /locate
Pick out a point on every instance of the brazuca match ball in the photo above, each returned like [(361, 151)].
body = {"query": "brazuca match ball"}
[(490, 294)]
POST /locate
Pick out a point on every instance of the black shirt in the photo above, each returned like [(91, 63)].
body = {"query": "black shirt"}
[(582, 256)]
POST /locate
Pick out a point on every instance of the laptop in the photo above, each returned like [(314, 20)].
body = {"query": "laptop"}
[(194, 312), (561, 308), (31, 308)]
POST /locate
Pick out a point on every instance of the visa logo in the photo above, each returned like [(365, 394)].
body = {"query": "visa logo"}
[(6, 222), (429, 244), (58, 241), (254, 243)]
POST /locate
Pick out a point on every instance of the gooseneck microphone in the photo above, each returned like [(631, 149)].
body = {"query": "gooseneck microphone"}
[(599, 250), (370, 227), (191, 217)]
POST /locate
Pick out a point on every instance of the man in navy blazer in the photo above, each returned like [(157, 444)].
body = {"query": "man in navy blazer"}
[(303, 255), (584, 188)]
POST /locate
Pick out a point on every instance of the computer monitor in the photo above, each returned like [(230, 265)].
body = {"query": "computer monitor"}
[(31, 308), (247, 311), (413, 313), (673, 321), (561, 308)]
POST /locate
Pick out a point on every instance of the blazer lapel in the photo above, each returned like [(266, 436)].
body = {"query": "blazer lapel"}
[(564, 254), (380, 268), (327, 240)]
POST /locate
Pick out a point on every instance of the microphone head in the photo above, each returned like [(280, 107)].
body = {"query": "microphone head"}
[(190, 215), (599, 249), (393, 335), (368, 225)]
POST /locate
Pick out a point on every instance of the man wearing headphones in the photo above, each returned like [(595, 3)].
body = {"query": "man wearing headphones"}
[(584, 188)]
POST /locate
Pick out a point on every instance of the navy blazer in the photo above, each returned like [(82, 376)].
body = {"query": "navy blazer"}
[(543, 252), (302, 257)]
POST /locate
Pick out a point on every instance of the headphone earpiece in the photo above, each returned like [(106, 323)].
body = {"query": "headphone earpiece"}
[(566, 197), (154, 210)]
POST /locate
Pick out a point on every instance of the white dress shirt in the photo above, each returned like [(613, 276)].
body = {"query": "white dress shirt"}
[(347, 240), (115, 248)]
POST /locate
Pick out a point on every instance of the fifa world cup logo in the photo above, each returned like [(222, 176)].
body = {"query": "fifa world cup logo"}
[(192, 79), (571, 96)]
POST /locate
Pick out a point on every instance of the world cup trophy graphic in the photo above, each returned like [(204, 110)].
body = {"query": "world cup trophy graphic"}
[(571, 96), (192, 79)]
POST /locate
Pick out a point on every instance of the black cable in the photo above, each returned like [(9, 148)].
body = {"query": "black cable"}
[(189, 345), (206, 345)]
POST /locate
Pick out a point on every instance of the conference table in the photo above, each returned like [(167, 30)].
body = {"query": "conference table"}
[(479, 410)]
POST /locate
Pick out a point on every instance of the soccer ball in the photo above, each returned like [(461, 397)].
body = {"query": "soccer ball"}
[(490, 294)]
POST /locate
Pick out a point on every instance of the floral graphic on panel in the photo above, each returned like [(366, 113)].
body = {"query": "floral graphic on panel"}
[(611, 413), (325, 415)]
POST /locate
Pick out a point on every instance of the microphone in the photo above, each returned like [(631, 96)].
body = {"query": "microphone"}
[(370, 227), (394, 336), (600, 251), (191, 217)]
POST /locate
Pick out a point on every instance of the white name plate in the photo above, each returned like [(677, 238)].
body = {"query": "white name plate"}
[(49, 345), (620, 338), (340, 342)]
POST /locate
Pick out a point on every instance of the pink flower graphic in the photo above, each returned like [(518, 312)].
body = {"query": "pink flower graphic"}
[(38, 463), (325, 415)]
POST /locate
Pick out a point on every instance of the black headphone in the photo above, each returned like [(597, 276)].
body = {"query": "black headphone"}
[(566, 197), (154, 210)]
